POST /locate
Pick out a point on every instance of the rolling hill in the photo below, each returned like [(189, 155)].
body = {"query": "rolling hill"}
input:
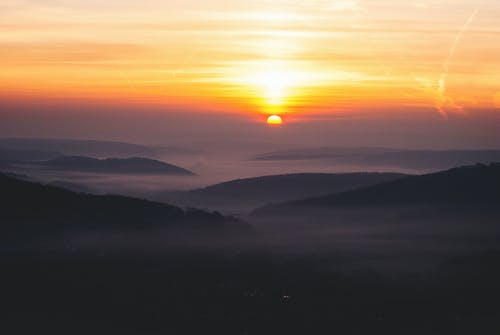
[(466, 186), (113, 165), (31, 211), (93, 148), (246, 194)]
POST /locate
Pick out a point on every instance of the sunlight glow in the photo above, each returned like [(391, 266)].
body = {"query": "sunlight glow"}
[(275, 84), (255, 56)]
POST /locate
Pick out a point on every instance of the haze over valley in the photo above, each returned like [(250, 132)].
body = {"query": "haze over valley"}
[(250, 167)]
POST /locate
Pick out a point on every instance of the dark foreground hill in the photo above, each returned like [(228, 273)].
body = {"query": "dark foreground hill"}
[(129, 283), (31, 211), (246, 194), (135, 165), (467, 186)]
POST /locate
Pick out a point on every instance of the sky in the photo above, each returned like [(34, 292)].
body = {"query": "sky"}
[(197, 72)]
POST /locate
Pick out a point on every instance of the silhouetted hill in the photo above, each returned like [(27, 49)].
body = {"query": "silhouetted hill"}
[(113, 165), (476, 185), (237, 290), (386, 157), (33, 210), (245, 194), (91, 147)]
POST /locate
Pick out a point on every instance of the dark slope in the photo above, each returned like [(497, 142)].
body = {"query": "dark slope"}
[(465, 186), (33, 210), (245, 194), (113, 165)]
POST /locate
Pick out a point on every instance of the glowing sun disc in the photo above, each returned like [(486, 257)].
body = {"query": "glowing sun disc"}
[(274, 120)]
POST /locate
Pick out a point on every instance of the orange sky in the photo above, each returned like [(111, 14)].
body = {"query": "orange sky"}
[(256, 57)]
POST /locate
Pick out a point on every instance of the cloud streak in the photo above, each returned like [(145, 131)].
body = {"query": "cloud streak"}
[(442, 100)]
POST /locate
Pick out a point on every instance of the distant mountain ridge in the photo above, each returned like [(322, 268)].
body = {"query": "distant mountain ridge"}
[(114, 165), (94, 148), (387, 157), (468, 185), (24, 155), (246, 194)]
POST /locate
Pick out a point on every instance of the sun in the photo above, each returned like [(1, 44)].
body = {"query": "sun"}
[(274, 120)]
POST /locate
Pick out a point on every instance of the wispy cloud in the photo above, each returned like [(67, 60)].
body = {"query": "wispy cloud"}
[(345, 52), (443, 101)]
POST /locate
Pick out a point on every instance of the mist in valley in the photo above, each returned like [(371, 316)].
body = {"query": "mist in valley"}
[(278, 246)]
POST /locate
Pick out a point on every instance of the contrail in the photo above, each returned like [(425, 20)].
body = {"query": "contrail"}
[(441, 99)]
